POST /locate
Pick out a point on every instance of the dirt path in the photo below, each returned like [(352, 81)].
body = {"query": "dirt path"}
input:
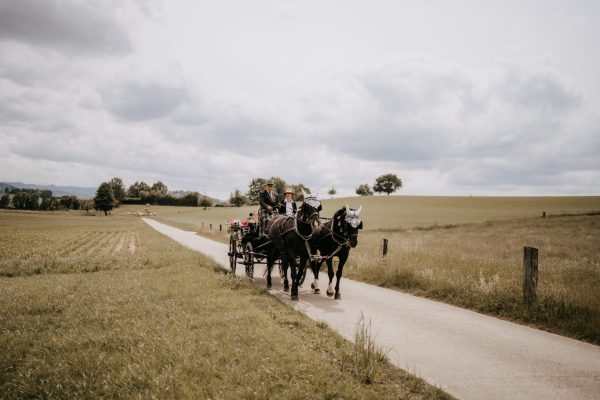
[(469, 355)]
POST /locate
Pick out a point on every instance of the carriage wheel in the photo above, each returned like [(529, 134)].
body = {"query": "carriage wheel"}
[(232, 255), (249, 260)]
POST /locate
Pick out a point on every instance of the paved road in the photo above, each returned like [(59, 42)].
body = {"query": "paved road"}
[(469, 355)]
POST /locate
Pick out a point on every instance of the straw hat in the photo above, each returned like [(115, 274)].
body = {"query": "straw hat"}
[(288, 190)]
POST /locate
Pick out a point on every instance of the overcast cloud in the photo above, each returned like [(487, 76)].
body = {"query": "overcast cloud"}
[(457, 98)]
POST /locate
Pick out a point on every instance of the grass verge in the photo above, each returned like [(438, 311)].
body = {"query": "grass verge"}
[(178, 329)]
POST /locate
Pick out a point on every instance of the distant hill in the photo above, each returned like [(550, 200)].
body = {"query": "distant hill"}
[(81, 192)]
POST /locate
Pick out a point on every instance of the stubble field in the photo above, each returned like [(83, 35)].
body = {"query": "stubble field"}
[(105, 307)]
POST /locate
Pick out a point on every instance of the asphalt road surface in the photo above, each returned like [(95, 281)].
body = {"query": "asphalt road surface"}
[(469, 355)]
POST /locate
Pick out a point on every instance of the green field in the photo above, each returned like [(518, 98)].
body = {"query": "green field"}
[(468, 251), (400, 212), (105, 307)]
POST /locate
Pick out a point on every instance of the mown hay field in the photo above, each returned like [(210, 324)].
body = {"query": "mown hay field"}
[(396, 212), (105, 307), (468, 251)]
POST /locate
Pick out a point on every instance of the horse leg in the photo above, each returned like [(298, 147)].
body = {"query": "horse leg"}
[(270, 262), (316, 266), (285, 265), (338, 275), (330, 274), (294, 272)]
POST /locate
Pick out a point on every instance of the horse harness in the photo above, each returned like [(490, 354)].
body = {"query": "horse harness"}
[(341, 244)]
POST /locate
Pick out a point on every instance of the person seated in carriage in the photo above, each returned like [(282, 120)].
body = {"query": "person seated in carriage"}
[(268, 203), (288, 206)]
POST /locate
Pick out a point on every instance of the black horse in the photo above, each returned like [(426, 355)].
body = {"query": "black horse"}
[(334, 238), (292, 237)]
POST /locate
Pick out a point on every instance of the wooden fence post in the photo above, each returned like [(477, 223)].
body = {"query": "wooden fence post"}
[(210, 227), (384, 247), (530, 274), (220, 227), (543, 214)]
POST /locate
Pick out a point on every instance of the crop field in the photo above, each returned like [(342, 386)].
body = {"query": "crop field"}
[(105, 307), (468, 251)]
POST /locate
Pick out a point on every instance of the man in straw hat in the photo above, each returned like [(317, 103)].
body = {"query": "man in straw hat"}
[(268, 203), (288, 206)]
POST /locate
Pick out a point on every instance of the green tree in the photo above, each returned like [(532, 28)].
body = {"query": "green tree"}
[(364, 190), (118, 188), (87, 205), (136, 188), (298, 196), (33, 201), (387, 184), (237, 198), (4, 201), (278, 185), (105, 198), (255, 186), (205, 201), (160, 188), (19, 200), (46, 203)]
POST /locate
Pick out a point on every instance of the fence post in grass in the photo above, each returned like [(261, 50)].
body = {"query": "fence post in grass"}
[(220, 227), (384, 247), (530, 274), (543, 214), (210, 227)]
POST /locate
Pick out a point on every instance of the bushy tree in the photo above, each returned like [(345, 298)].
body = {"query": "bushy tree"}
[(105, 199), (160, 188), (33, 201), (135, 189), (87, 205), (237, 198), (255, 186), (278, 185), (190, 199), (4, 201), (387, 184), (205, 201), (118, 188), (332, 191), (298, 196), (364, 190), (19, 200)]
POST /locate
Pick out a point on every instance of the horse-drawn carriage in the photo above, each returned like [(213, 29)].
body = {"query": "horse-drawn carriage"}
[(295, 241), (247, 247)]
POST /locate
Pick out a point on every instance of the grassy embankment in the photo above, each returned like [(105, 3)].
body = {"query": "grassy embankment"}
[(468, 251), (157, 320)]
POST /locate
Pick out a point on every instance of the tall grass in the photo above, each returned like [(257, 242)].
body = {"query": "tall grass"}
[(178, 328), (479, 266), (367, 359)]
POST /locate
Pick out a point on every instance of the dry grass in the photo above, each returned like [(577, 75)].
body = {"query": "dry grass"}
[(468, 251), (479, 266), (174, 326)]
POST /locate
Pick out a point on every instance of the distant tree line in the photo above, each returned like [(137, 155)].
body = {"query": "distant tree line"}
[(42, 200), (111, 194)]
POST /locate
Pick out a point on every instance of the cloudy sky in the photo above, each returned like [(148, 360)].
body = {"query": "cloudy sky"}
[(455, 97)]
